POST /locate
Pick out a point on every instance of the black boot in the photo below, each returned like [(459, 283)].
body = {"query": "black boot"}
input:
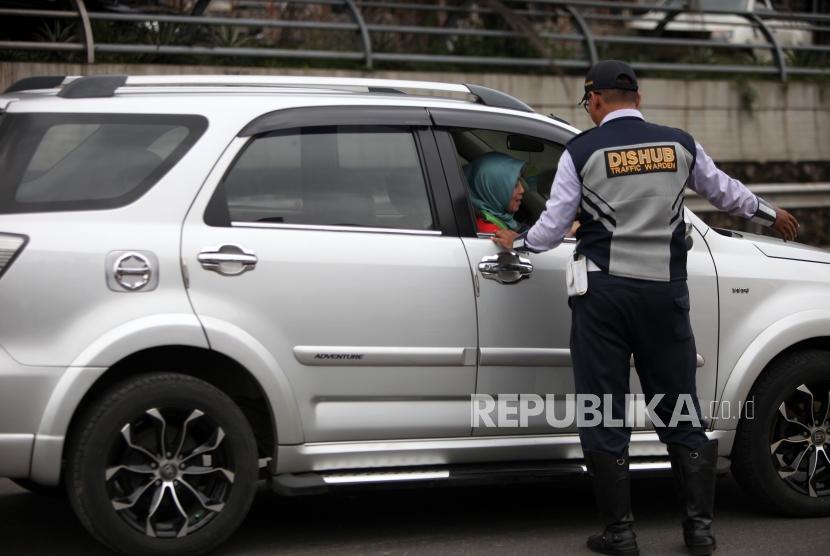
[(612, 489), (694, 476)]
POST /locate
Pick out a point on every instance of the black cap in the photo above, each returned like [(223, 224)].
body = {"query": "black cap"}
[(610, 74)]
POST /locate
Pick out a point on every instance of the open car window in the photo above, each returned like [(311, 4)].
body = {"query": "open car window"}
[(540, 156)]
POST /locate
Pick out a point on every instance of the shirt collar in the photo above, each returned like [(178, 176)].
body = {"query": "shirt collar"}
[(622, 113)]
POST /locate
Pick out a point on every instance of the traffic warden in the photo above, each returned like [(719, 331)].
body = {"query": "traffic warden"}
[(627, 177)]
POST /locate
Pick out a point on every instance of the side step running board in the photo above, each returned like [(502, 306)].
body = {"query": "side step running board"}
[(295, 484)]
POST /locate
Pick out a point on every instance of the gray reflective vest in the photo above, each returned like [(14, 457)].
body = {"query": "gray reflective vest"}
[(633, 176)]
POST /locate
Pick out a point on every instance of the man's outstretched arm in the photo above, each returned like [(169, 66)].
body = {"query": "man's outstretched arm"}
[(733, 197)]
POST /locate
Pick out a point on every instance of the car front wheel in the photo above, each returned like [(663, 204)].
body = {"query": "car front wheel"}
[(162, 464), (782, 453)]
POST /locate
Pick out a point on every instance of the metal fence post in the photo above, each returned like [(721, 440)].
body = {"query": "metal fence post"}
[(590, 45), (779, 54), (364, 32), (86, 30)]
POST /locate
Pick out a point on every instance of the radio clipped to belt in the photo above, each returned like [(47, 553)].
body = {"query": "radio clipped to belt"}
[(576, 275)]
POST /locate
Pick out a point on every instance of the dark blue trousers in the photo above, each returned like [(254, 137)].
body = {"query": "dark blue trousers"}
[(616, 318)]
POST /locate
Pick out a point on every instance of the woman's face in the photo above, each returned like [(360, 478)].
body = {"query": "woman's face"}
[(516, 199)]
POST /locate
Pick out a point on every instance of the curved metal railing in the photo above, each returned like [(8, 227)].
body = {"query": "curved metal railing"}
[(583, 14)]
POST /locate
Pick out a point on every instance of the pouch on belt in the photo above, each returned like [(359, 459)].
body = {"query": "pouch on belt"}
[(576, 275)]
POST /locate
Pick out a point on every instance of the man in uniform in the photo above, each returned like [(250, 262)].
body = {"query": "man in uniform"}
[(627, 177)]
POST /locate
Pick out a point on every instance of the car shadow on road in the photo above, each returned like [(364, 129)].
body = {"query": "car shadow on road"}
[(553, 517), (549, 518)]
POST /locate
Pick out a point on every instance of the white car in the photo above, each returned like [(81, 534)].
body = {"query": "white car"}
[(210, 280), (726, 27)]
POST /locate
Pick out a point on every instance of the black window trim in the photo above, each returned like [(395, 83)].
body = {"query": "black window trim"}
[(448, 118), (315, 116), (460, 201), (416, 119), (549, 131)]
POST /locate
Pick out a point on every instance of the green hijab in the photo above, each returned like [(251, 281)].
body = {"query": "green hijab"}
[(492, 178)]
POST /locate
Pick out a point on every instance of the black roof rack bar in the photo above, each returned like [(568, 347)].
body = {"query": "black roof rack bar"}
[(498, 99), (558, 119), (93, 86), (386, 90), (36, 82)]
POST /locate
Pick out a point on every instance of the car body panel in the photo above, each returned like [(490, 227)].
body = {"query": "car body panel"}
[(17, 454), (514, 319), (328, 456), (420, 327), (775, 339), (314, 279)]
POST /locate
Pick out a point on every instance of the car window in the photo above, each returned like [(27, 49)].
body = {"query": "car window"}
[(363, 176), (55, 162), (540, 156)]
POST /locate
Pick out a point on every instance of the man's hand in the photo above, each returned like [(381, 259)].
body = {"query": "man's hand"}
[(785, 224), (505, 238)]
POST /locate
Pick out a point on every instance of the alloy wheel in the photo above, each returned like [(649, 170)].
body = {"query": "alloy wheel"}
[(169, 473), (800, 440)]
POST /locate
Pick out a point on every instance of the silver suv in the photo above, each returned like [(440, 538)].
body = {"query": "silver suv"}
[(208, 280)]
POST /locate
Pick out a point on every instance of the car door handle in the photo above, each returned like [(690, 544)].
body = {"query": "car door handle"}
[(228, 259), (505, 268)]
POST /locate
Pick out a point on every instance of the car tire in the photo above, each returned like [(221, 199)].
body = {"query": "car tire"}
[(162, 464), (781, 455)]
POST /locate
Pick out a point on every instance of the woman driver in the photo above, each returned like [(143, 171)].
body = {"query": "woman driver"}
[(496, 191)]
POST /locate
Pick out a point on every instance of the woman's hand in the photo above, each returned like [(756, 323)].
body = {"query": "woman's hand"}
[(505, 238)]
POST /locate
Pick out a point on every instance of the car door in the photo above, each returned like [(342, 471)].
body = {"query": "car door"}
[(326, 240), (524, 326)]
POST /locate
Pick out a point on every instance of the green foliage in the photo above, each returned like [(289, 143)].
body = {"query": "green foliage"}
[(747, 94), (807, 58), (57, 30), (230, 37)]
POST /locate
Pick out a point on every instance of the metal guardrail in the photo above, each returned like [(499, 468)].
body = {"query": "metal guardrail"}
[(582, 13), (785, 195)]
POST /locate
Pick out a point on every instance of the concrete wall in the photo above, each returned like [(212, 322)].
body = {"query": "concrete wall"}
[(781, 122)]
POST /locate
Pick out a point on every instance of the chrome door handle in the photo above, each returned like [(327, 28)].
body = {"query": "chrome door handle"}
[(228, 259), (505, 268)]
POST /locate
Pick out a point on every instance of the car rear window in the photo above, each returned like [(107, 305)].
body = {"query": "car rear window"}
[(65, 162)]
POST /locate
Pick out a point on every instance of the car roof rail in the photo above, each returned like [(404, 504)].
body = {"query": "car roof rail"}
[(99, 86), (93, 86), (558, 119), (36, 82), (493, 97)]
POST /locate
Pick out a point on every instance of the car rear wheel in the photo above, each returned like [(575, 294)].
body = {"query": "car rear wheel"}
[(782, 454), (162, 464)]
